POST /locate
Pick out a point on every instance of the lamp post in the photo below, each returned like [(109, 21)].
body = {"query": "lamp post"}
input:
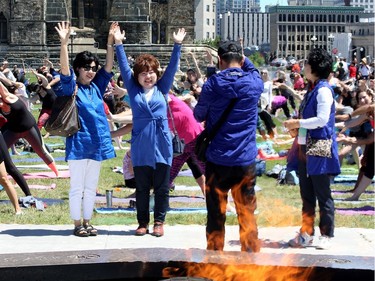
[(313, 39), (331, 38), (220, 32), (72, 34), (228, 38)]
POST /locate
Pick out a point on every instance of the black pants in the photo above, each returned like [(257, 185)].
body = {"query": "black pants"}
[(314, 188), (241, 181), (12, 169), (267, 120), (146, 178)]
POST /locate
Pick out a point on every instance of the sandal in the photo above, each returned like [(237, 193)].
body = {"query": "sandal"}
[(92, 231), (80, 231)]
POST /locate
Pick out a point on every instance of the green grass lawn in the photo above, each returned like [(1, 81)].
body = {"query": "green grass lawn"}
[(278, 205)]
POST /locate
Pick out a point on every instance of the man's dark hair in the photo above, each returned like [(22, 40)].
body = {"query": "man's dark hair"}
[(230, 51), (82, 59), (321, 62)]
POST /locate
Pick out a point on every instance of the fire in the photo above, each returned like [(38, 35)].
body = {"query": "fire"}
[(233, 271)]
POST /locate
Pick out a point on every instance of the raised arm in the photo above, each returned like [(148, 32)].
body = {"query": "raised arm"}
[(63, 29), (196, 66), (110, 47), (166, 80), (42, 78)]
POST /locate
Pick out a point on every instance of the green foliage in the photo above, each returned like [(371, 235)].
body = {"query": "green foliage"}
[(257, 59), (214, 43)]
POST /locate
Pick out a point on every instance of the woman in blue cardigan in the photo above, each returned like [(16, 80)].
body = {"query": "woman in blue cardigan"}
[(151, 144), (92, 144), (318, 161)]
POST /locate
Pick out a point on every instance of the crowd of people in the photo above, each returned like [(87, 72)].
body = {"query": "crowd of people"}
[(327, 103)]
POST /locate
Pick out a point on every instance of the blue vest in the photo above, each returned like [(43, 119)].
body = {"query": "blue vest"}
[(321, 165)]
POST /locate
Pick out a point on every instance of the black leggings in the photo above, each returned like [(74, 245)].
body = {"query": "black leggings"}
[(34, 138), (12, 169)]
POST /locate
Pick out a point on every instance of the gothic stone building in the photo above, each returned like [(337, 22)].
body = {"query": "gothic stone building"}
[(27, 27)]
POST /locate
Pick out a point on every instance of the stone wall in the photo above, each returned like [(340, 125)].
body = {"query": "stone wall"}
[(32, 34)]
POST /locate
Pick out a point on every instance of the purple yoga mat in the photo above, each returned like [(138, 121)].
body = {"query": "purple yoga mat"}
[(44, 175), (365, 210)]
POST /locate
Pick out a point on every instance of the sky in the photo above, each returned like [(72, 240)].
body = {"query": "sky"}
[(264, 3)]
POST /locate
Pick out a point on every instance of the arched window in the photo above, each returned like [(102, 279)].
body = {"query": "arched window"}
[(3, 28)]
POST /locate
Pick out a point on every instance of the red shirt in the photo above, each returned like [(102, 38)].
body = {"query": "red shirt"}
[(352, 71)]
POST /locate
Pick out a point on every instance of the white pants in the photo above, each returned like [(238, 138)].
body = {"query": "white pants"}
[(84, 177)]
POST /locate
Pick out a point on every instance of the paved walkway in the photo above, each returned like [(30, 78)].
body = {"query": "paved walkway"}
[(15, 238)]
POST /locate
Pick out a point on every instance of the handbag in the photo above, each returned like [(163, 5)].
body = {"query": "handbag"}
[(64, 119), (178, 144), (318, 147), (205, 137)]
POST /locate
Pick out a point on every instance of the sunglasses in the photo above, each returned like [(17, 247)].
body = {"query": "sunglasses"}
[(262, 72), (89, 67)]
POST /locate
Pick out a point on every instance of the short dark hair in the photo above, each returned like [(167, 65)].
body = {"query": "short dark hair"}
[(82, 59), (321, 62), (230, 51)]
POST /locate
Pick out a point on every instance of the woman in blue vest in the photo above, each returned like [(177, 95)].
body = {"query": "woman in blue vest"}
[(318, 152)]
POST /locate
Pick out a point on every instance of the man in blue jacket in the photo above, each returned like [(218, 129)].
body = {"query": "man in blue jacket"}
[(232, 152)]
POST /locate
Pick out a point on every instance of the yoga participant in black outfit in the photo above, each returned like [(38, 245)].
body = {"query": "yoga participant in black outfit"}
[(21, 124)]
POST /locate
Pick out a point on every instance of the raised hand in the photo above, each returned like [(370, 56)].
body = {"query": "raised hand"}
[(112, 30), (179, 36), (118, 35), (63, 29)]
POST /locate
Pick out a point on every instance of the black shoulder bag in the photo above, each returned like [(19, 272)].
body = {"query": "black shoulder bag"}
[(64, 119), (205, 137)]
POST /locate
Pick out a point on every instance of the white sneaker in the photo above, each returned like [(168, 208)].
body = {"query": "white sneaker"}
[(302, 240), (324, 243)]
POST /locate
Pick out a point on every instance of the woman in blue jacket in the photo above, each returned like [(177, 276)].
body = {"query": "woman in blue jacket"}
[(92, 144), (318, 153), (151, 148)]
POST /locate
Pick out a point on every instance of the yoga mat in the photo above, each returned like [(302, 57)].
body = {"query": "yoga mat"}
[(183, 199), (170, 211), (48, 201), (45, 175), (346, 178), (365, 210), (42, 167), (348, 191), (35, 159), (40, 186), (358, 202), (185, 173)]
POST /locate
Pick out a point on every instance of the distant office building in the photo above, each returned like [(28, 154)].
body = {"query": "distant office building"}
[(368, 5), (295, 30), (234, 6), (252, 27), (205, 20)]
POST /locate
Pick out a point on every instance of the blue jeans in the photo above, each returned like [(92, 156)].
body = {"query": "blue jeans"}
[(147, 178)]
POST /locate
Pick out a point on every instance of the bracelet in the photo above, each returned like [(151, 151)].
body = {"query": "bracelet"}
[(110, 45)]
